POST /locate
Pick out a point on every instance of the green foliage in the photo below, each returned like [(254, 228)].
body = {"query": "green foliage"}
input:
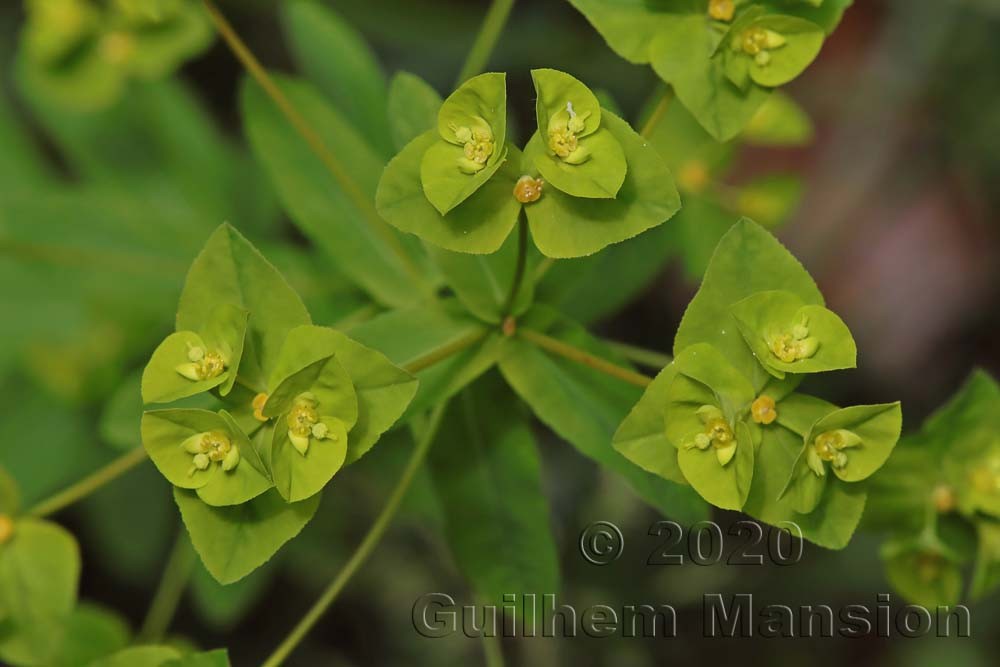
[(722, 65), (608, 187), (286, 428), (39, 574), (733, 427), (937, 499), (487, 475), (82, 55), (583, 407)]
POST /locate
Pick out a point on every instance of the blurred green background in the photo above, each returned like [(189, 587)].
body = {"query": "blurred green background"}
[(100, 216)]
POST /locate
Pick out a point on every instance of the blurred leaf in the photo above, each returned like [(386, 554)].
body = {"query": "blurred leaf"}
[(487, 475), (161, 145), (109, 520), (139, 656), (91, 632), (334, 56), (235, 541), (349, 232), (413, 108), (223, 607), (59, 453), (780, 121), (39, 575), (584, 407)]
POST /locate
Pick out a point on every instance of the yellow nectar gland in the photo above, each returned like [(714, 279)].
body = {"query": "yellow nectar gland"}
[(929, 566), (117, 47), (202, 365), (758, 42), (211, 447), (721, 10), (6, 528), (477, 145), (693, 176), (528, 189), (564, 125), (763, 410), (258, 403), (943, 497), (717, 433)]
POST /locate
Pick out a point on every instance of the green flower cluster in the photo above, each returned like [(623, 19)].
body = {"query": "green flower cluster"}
[(81, 53), (724, 416), (938, 499), (280, 404), (585, 179), (722, 57)]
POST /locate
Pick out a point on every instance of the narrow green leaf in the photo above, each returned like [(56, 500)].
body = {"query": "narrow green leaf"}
[(335, 56), (486, 472), (331, 217), (413, 108)]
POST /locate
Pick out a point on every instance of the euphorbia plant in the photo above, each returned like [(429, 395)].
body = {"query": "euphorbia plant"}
[(252, 409)]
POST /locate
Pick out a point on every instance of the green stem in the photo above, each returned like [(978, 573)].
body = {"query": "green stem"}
[(640, 355), (89, 484), (522, 260), (176, 576), (367, 545), (362, 314), (658, 112), (584, 358), (445, 351), (340, 173), (486, 40), (493, 651)]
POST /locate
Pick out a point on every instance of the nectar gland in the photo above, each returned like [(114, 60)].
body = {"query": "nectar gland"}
[(763, 410), (528, 189)]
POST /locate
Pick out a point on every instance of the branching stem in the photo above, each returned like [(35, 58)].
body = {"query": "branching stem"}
[(176, 575), (575, 354), (89, 484), (339, 172), (519, 268)]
